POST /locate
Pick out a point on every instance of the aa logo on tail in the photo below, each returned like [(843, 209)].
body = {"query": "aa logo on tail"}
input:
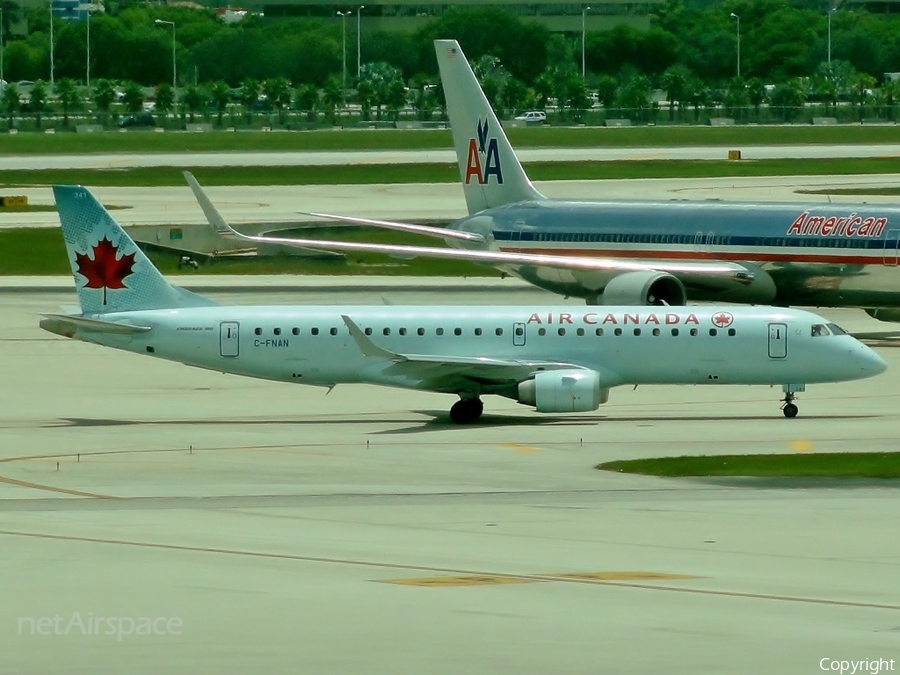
[(483, 158)]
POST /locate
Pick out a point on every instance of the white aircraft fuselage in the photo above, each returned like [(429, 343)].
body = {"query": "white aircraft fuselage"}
[(625, 345)]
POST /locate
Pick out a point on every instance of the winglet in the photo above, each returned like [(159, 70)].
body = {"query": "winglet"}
[(219, 224), (366, 346)]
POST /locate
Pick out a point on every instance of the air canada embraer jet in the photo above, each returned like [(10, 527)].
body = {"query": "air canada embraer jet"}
[(556, 359), (650, 252)]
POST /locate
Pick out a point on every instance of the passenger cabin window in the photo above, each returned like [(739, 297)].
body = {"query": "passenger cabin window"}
[(477, 331), (713, 332), (819, 330), (560, 331), (368, 331), (295, 331), (439, 331), (257, 331), (276, 331), (385, 331), (579, 332), (519, 331), (499, 331), (617, 331), (457, 331), (637, 331), (732, 332), (420, 331), (599, 332), (542, 331), (402, 331), (656, 332), (675, 332), (694, 332), (333, 331), (314, 331)]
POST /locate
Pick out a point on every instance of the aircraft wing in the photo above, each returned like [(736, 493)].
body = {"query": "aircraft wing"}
[(441, 232), (722, 270), (446, 372)]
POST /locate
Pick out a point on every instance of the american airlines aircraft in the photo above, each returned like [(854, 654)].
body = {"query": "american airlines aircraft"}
[(649, 252), (556, 359)]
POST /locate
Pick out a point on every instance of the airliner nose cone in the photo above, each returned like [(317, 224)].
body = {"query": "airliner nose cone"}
[(870, 362)]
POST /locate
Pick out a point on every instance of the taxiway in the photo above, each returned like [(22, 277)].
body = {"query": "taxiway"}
[(360, 532)]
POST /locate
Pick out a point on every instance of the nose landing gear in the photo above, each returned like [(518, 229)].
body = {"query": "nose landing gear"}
[(466, 410), (789, 408)]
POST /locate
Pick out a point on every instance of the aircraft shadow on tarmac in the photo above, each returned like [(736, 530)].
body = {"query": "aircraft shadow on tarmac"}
[(440, 419)]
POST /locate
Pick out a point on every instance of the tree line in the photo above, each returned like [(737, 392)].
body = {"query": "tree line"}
[(689, 51)]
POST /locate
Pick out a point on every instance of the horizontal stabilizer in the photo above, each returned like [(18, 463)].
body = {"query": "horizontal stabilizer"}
[(67, 326)]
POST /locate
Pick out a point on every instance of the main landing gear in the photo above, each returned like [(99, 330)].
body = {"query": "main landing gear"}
[(466, 410), (789, 408)]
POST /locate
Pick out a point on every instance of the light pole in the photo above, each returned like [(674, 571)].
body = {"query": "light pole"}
[(343, 16), (358, 33), (735, 16), (160, 22), (88, 60), (584, 11), (830, 12), (51, 43)]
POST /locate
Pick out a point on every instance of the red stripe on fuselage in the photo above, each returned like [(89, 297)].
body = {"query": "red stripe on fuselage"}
[(876, 256)]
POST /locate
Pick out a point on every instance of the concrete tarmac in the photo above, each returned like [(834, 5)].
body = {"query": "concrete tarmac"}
[(436, 156), (277, 529), (429, 201)]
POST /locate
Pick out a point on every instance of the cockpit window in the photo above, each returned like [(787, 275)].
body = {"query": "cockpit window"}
[(836, 330), (818, 330)]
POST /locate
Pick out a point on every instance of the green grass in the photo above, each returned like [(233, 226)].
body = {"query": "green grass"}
[(444, 173), (34, 208), (364, 139), (824, 465), (40, 251)]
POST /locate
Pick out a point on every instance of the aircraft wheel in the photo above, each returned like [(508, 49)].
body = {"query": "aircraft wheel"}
[(790, 410), (466, 411)]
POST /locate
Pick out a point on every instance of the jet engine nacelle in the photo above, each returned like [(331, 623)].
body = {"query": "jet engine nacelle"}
[(564, 391), (645, 288), (884, 313)]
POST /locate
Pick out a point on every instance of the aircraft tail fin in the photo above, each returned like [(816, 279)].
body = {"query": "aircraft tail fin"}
[(490, 171), (111, 273)]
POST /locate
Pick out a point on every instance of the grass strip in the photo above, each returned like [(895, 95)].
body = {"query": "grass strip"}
[(816, 465), (443, 173), (399, 139), (40, 251)]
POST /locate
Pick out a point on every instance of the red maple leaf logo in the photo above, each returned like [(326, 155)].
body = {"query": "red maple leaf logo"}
[(105, 270), (723, 320)]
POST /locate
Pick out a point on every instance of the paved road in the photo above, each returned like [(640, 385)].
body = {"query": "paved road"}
[(432, 201), (360, 533), (323, 158)]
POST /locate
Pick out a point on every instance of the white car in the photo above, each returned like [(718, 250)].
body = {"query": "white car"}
[(533, 116)]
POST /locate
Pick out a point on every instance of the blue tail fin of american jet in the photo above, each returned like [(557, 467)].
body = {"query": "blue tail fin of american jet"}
[(490, 171), (111, 273)]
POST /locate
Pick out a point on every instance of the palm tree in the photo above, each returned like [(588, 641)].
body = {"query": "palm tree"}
[(133, 98), (11, 102), (38, 101), (332, 97), (194, 99), (68, 97), (220, 96), (308, 100), (278, 93), (104, 95), (249, 96), (165, 99)]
